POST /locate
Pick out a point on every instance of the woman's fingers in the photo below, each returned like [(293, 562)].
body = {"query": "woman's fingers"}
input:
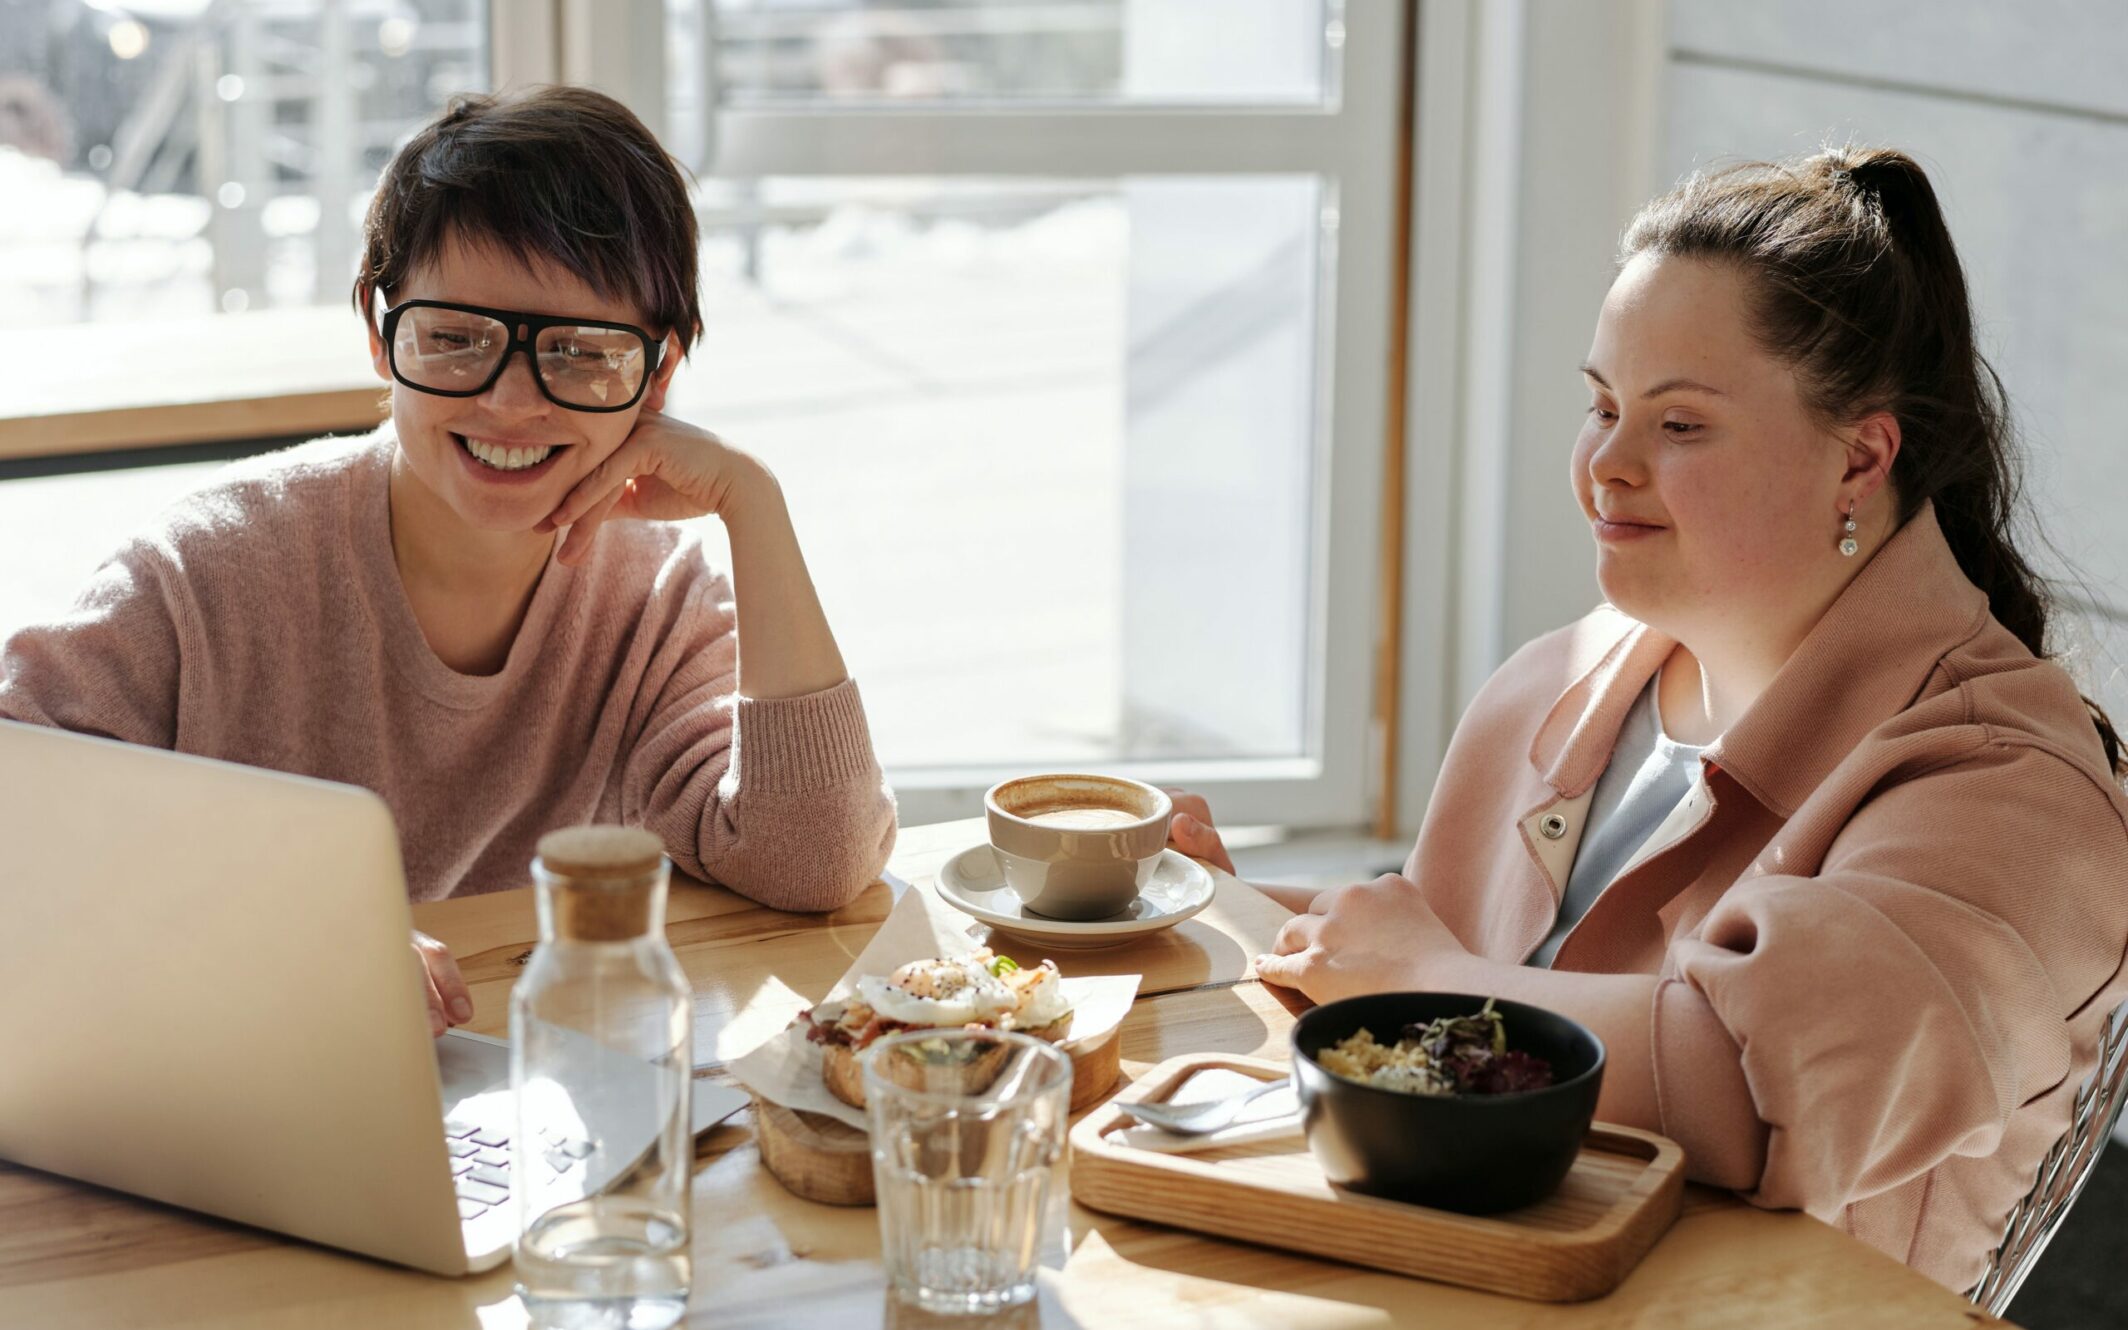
[(603, 480), (1287, 971), (1201, 841), (1190, 835), (1297, 934), (576, 546), (1191, 831), (438, 1023), (1192, 804), (449, 999)]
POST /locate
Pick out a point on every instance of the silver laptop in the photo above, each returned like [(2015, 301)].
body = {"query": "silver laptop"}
[(208, 997)]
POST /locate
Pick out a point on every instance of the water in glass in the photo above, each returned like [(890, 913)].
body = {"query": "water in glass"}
[(967, 1151)]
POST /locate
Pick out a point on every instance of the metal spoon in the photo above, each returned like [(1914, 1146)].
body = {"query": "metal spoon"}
[(1197, 1119)]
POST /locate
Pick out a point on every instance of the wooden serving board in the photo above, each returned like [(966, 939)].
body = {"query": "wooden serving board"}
[(825, 1160), (1621, 1196)]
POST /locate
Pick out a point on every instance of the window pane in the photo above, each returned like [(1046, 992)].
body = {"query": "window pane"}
[(177, 158), (771, 52), (1050, 445)]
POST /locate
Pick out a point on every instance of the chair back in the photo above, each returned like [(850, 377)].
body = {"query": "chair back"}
[(2062, 1174)]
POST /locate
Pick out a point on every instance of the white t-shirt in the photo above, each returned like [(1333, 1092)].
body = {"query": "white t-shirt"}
[(1648, 776)]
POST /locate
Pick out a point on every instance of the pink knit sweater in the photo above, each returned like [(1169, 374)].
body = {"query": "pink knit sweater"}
[(261, 620)]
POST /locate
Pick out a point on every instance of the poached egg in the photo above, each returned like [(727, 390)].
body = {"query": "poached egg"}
[(940, 992)]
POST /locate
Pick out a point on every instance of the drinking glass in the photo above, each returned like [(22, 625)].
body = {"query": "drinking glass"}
[(967, 1160)]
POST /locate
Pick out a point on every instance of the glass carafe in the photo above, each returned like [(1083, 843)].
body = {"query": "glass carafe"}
[(600, 1066)]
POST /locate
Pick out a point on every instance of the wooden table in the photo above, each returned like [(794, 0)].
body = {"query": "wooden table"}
[(75, 1255)]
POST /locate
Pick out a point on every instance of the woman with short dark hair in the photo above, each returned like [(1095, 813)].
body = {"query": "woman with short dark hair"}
[(480, 611)]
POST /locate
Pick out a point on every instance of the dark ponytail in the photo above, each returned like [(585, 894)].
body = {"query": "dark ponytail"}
[(1857, 286)]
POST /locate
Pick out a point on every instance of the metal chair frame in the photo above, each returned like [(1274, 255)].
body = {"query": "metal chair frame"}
[(2062, 1174)]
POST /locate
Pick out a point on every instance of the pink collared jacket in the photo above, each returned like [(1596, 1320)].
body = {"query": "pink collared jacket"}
[(1885, 927)]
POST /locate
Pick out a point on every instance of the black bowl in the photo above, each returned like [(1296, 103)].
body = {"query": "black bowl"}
[(1476, 1154)]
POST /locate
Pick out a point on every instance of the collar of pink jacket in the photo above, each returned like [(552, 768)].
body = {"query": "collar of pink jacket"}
[(1863, 663)]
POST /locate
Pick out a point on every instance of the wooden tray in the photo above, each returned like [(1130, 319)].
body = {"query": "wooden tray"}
[(822, 1159), (1622, 1194)]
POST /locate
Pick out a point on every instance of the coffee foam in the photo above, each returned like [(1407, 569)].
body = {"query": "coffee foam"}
[(1081, 817)]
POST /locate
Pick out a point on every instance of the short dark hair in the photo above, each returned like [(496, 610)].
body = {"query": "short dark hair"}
[(564, 174)]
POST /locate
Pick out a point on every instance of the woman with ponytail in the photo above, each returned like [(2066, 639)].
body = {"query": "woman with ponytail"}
[(1804, 822)]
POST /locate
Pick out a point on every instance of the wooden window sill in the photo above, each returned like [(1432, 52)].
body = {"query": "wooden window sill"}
[(92, 388)]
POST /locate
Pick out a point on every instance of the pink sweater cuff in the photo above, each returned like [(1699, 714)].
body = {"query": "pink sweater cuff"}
[(798, 745), (1702, 1096)]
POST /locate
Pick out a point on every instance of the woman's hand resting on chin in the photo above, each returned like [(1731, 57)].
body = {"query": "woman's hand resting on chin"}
[(665, 471)]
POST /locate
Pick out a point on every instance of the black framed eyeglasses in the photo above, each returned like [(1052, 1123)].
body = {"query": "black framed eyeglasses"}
[(452, 350)]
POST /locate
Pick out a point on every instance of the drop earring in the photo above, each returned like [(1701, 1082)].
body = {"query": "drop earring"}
[(1847, 541)]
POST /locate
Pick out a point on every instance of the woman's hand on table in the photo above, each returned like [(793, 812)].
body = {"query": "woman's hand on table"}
[(450, 1002), (1371, 937), (1190, 830)]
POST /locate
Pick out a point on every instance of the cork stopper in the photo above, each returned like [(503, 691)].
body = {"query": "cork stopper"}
[(605, 880)]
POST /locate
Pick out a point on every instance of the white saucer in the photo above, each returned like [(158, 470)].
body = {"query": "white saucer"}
[(972, 882)]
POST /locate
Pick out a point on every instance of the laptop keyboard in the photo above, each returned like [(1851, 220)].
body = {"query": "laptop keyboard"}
[(480, 1163)]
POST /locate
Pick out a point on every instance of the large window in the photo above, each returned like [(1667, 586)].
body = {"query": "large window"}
[(1066, 323)]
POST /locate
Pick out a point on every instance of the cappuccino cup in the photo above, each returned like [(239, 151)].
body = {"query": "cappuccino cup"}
[(1077, 846)]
